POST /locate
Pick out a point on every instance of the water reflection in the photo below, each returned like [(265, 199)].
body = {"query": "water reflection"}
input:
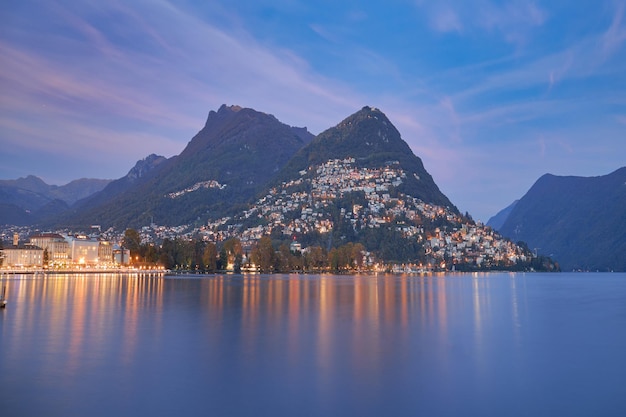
[(352, 316), (333, 345)]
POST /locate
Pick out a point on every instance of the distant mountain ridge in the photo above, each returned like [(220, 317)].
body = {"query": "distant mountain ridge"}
[(35, 186), (29, 199), (580, 221), (498, 220)]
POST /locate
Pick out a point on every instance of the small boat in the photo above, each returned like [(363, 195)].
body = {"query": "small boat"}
[(3, 299)]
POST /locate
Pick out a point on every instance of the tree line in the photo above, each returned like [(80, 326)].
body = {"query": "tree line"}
[(266, 255)]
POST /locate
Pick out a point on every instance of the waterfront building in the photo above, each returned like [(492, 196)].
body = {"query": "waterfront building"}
[(56, 245), (105, 252), (83, 250), (26, 256)]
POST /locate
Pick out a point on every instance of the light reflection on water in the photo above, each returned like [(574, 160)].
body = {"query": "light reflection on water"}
[(494, 344)]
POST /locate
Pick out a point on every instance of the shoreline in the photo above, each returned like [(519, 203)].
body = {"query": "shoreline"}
[(81, 271)]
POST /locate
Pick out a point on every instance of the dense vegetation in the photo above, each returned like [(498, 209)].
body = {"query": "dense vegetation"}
[(266, 256)]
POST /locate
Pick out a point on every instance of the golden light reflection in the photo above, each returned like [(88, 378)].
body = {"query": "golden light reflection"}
[(297, 307), (250, 304), (74, 315), (337, 318), (325, 293)]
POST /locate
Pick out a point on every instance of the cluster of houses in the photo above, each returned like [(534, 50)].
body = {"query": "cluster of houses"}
[(196, 187), (480, 246), (293, 209), (327, 182), (53, 250)]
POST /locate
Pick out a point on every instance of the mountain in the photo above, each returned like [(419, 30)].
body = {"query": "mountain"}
[(27, 200), (370, 138), (580, 221), (223, 166), (498, 220), (359, 185)]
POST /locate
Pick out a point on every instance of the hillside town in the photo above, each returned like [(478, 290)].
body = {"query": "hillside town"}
[(304, 205)]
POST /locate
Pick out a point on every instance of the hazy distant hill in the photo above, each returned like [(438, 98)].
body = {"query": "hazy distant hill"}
[(142, 170), (25, 200), (580, 221), (225, 164), (498, 220)]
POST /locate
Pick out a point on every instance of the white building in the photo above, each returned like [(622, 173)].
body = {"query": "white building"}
[(83, 250)]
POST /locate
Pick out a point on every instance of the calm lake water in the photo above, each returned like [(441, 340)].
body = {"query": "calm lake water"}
[(291, 345)]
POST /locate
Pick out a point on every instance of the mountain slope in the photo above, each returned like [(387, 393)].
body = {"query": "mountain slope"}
[(224, 165), (370, 138), (580, 221)]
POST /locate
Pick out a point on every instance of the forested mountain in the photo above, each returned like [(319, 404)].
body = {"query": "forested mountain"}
[(581, 221), (230, 159)]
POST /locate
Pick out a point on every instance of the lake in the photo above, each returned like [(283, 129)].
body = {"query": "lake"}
[(494, 344)]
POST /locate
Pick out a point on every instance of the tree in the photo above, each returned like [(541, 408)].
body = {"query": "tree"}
[(150, 253), (357, 255), (209, 257), (222, 261), (333, 259), (283, 260), (237, 263), (263, 254), (166, 260), (198, 246), (132, 241), (315, 258), (234, 253)]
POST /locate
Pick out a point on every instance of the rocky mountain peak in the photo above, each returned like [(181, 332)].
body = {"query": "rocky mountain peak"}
[(143, 166)]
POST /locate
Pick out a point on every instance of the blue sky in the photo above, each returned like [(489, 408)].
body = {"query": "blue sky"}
[(490, 94)]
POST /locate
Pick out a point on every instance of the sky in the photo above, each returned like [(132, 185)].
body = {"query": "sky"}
[(489, 94)]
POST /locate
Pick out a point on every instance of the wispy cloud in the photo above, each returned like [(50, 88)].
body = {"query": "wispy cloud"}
[(174, 89), (512, 20), (445, 19), (615, 35)]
